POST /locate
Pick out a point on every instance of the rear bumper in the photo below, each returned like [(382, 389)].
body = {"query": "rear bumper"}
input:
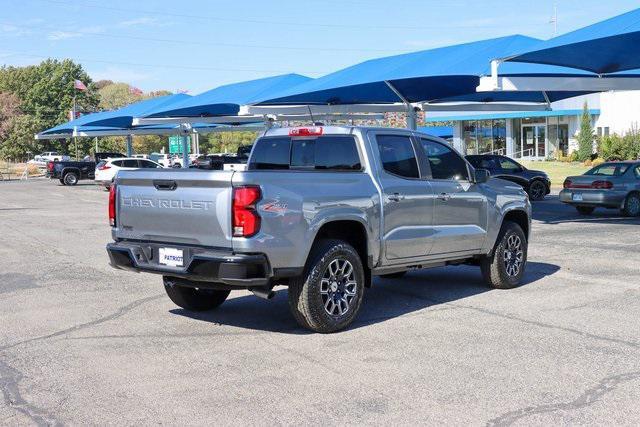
[(603, 198), (200, 264)]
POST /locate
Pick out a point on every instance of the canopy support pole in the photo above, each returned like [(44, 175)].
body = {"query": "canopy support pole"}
[(129, 145), (412, 115), (185, 129)]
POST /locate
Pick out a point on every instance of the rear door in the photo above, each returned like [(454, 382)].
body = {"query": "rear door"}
[(460, 219), (407, 199)]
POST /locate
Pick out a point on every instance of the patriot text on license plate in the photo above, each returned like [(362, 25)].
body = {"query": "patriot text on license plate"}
[(171, 257), (577, 197)]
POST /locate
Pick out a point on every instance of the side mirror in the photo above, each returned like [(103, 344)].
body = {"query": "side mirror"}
[(480, 176)]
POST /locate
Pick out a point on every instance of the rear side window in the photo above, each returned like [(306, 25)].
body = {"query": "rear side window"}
[(323, 153), (117, 163), (130, 163), (397, 155), (444, 162)]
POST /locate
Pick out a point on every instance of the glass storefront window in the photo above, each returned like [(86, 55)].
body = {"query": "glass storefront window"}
[(485, 136), (469, 135)]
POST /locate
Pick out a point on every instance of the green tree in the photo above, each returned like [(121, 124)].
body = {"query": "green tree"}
[(225, 142), (19, 140), (117, 95), (9, 110), (585, 137)]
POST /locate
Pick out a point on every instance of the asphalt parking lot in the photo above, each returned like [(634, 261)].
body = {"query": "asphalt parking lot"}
[(84, 344)]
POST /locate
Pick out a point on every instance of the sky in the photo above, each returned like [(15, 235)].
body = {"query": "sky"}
[(196, 45)]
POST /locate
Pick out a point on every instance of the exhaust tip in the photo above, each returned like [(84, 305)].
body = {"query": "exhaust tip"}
[(264, 293)]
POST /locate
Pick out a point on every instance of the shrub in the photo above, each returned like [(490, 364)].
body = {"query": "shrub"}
[(597, 162), (573, 157), (585, 137)]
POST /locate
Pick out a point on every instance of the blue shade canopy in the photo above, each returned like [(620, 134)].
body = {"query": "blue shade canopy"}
[(606, 47), (445, 132), (419, 77), (226, 100), (121, 118)]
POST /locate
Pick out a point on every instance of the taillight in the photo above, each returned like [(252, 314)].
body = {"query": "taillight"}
[(112, 205), (104, 167), (311, 131), (567, 183), (246, 221), (602, 185)]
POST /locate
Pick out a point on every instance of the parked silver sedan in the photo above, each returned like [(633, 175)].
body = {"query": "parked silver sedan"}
[(612, 185)]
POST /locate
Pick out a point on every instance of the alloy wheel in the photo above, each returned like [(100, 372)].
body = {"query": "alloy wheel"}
[(338, 287), (513, 255)]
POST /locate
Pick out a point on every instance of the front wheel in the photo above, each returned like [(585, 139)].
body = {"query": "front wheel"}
[(504, 268), (328, 295), (193, 299), (632, 205)]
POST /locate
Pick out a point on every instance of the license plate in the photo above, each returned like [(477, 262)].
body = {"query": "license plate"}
[(171, 257), (576, 197)]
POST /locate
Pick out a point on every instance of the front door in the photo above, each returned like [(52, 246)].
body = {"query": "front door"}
[(460, 220), (408, 202), (534, 141)]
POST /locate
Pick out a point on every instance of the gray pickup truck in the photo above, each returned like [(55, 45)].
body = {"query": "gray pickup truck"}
[(321, 210)]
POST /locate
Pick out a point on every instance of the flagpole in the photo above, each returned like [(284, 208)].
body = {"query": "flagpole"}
[(75, 140)]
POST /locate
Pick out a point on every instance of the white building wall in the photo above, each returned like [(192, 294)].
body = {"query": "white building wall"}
[(620, 111)]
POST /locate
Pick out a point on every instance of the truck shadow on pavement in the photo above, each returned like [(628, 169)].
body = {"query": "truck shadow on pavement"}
[(429, 289), (552, 211)]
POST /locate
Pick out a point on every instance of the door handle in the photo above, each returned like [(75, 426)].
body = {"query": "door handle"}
[(395, 197), (444, 196)]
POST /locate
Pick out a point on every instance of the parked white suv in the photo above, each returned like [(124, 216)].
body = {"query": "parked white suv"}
[(107, 169), (51, 156)]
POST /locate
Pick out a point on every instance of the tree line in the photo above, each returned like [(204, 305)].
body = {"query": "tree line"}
[(38, 97)]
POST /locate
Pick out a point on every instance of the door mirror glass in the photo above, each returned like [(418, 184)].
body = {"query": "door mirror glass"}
[(480, 176)]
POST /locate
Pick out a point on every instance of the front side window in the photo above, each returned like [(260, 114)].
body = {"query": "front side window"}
[(445, 163), (147, 164), (397, 155), (636, 171)]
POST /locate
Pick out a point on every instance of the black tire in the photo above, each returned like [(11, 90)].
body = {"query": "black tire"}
[(62, 181), (585, 210), (537, 190), (70, 178), (193, 299), (311, 305), (398, 275), (632, 205), (505, 266)]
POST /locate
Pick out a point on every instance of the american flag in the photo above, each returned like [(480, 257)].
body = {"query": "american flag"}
[(77, 84), (135, 91)]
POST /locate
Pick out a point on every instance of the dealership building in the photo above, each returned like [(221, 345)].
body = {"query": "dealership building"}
[(538, 135)]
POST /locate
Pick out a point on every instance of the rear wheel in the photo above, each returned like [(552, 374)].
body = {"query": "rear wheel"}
[(193, 299), (70, 178), (327, 297), (585, 210), (632, 205), (504, 268), (61, 181), (537, 190)]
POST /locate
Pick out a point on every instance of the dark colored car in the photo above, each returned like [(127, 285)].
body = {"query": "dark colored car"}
[(69, 173), (612, 185), (217, 161), (536, 183)]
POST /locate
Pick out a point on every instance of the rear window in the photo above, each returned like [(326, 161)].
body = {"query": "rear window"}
[(323, 153), (101, 164), (609, 169)]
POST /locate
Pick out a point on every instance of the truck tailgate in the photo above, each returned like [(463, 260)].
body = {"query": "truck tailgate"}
[(180, 206)]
